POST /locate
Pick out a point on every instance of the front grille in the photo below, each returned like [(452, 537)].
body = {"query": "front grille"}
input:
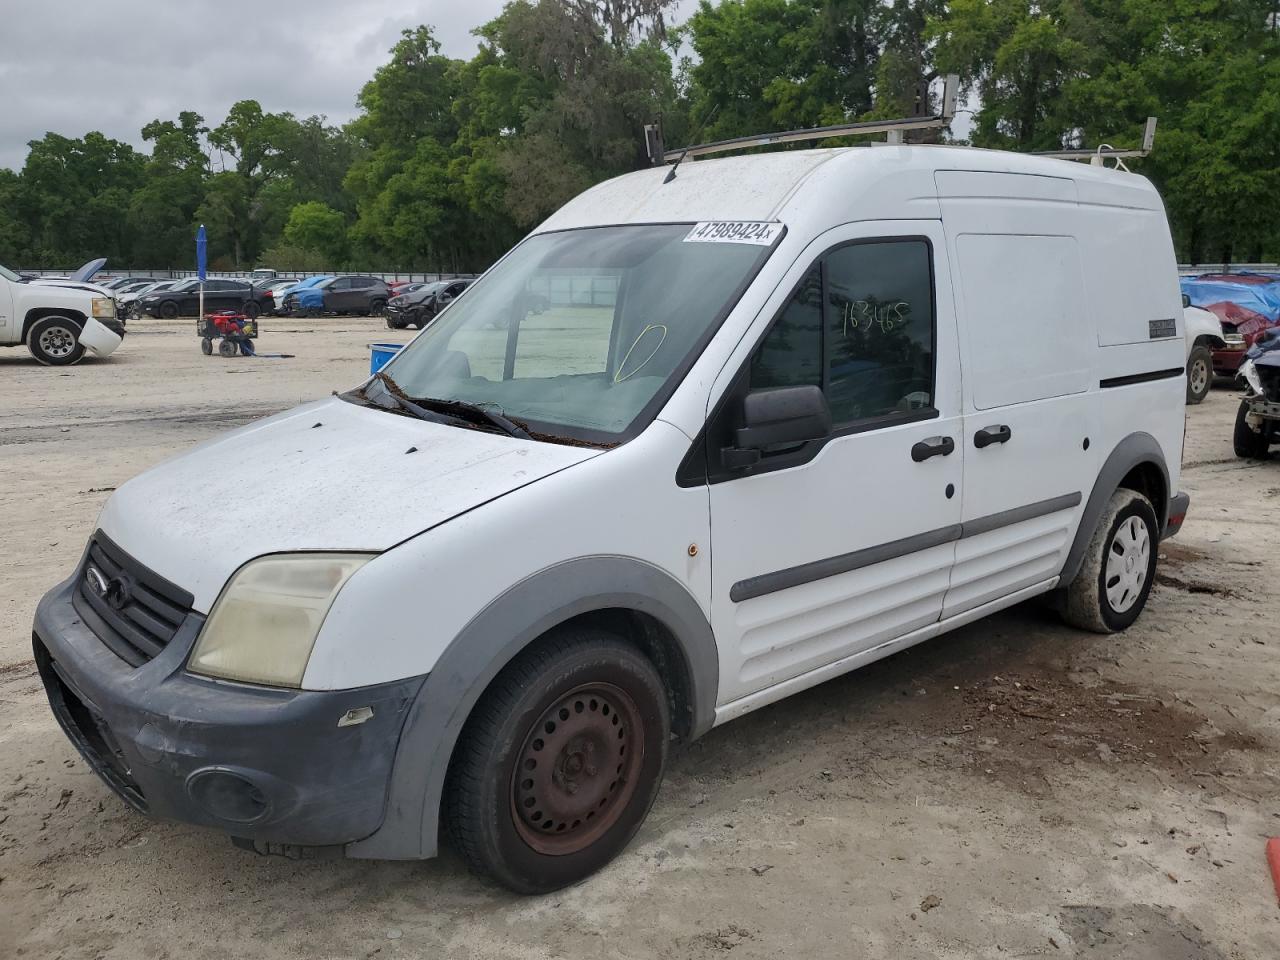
[(88, 731), (1270, 379), (138, 613)]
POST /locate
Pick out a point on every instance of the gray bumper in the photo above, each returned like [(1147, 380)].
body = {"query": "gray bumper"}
[(1179, 503), (268, 765)]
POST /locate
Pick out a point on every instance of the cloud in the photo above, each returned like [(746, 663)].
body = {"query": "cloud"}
[(114, 65)]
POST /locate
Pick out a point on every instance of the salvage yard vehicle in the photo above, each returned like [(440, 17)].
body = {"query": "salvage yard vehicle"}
[(1203, 335), (366, 296), (419, 307), (183, 299), (58, 324), (1258, 417), (287, 300), (821, 405)]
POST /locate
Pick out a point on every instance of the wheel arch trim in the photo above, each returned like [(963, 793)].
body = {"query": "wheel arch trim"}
[(36, 314), (492, 638), (1135, 450)]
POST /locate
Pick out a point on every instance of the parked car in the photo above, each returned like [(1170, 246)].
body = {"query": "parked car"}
[(183, 299), (1247, 304), (1257, 423), (838, 409), (57, 324), (289, 303), (419, 307), (364, 296), (401, 287), (276, 290), (1203, 334), (127, 303)]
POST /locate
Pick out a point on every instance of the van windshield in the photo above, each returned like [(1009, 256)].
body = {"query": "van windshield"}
[(582, 333)]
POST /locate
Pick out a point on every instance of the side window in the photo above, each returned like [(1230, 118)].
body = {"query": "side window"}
[(861, 327)]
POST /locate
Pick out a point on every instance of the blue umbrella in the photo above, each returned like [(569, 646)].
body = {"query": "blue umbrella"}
[(202, 253)]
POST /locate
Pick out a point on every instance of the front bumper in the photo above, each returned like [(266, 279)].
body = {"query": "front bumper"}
[(1227, 360), (269, 765)]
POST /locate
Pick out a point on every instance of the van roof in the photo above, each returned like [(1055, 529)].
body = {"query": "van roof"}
[(841, 185)]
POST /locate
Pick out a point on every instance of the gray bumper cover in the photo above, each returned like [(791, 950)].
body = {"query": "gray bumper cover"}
[(264, 764)]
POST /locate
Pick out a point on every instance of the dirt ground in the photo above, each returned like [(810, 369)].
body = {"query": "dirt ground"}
[(1013, 789)]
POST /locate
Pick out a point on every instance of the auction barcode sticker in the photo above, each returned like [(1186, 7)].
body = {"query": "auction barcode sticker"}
[(758, 232)]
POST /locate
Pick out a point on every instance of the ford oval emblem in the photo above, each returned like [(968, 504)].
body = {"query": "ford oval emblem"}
[(96, 582)]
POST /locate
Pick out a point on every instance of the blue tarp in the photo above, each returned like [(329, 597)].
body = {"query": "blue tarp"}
[(1253, 299)]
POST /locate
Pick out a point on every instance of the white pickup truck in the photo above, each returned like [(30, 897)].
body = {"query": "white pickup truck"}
[(56, 323)]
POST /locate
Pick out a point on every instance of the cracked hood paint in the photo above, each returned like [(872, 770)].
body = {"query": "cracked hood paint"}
[(285, 484)]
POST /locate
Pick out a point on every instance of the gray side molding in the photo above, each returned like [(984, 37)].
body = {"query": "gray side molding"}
[(1135, 449), (489, 642)]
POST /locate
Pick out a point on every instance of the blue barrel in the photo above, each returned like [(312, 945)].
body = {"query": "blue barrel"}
[(380, 353)]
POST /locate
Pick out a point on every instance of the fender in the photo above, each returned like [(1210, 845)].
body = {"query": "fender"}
[(1134, 450), (489, 642)]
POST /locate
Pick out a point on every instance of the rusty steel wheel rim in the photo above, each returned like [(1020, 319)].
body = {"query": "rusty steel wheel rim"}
[(577, 769)]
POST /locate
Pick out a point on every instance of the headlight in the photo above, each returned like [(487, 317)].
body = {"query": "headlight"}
[(262, 628), (104, 307), (1250, 374)]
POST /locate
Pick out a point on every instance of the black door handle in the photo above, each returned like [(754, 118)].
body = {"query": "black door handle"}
[(989, 435), (932, 447)]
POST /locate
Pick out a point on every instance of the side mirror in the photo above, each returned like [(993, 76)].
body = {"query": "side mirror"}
[(1186, 300), (780, 417)]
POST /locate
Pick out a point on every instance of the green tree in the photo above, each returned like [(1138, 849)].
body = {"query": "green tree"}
[(317, 228)]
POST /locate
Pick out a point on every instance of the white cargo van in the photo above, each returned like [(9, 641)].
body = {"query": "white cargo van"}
[(695, 444), (57, 323)]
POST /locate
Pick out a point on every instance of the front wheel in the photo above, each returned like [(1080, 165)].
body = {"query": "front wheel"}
[(169, 310), (1249, 444), (55, 342), (1199, 374), (1119, 566), (206, 346), (559, 763)]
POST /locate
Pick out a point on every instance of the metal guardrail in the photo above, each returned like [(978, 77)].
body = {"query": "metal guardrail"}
[(169, 274)]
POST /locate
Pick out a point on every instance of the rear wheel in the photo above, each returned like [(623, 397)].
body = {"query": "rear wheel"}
[(1249, 443), (1199, 374), (377, 308), (226, 348), (251, 309), (1119, 567), (206, 346), (55, 341), (559, 763)]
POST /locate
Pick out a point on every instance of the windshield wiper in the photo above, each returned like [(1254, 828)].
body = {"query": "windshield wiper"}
[(391, 396), (462, 407), (387, 399)]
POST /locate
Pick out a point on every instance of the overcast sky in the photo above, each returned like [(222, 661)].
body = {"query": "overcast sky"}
[(71, 66)]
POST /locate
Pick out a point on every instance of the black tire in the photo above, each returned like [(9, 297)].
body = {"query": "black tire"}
[(55, 341), (251, 309), (394, 325), (377, 307), (1119, 567), (226, 348), (169, 310), (206, 346), (565, 697), (1249, 444), (1199, 374)]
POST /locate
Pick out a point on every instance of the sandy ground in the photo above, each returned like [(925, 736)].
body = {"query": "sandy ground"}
[(1014, 789)]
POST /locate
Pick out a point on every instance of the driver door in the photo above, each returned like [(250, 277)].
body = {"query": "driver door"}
[(826, 553)]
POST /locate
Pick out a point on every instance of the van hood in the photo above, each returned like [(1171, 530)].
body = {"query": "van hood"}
[(330, 475)]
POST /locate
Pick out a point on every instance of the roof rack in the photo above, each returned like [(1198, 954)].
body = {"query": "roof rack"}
[(1097, 155), (893, 128)]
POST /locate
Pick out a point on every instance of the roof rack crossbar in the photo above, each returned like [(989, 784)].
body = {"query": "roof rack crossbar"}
[(1107, 152), (950, 92)]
